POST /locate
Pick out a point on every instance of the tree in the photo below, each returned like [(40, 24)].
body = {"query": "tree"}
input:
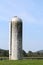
[(24, 54), (6, 53), (30, 53)]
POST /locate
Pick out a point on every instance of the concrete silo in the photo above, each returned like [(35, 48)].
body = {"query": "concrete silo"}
[(15, 38)]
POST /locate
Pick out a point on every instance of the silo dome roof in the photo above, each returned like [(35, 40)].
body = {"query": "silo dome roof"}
[(16, 19)]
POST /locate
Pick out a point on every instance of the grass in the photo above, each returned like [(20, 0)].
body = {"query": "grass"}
[(21, 62)]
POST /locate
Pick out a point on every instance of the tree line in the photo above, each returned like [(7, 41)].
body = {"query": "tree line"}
[(32, 54), (5, 53)]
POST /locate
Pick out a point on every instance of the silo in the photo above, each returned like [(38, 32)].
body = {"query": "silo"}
[(15, 38)]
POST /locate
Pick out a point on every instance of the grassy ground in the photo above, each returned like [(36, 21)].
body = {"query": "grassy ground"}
[(21, 62)]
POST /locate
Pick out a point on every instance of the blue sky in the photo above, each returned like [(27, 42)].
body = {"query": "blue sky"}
[(31, 12)]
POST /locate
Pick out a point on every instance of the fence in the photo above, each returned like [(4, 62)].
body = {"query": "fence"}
[(4, 58)]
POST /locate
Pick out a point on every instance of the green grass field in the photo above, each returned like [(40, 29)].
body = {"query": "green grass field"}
[(21, 62)]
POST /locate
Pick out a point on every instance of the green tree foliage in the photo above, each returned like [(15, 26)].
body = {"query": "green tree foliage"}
[(24, 54), (30, 53), (4, 53)]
